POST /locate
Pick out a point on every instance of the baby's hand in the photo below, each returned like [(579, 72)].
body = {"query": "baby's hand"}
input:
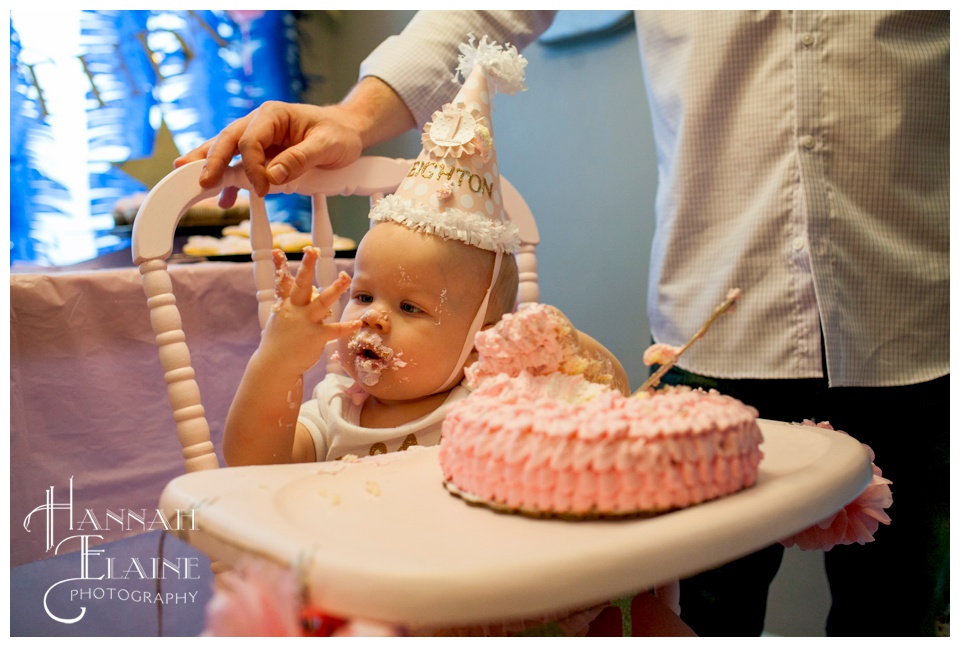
[(296, 334)]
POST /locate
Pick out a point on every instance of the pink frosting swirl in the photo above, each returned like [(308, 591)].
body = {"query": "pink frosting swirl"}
[(660, 354), (537, 339)]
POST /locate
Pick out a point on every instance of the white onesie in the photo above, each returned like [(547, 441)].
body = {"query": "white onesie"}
[(332, 417)]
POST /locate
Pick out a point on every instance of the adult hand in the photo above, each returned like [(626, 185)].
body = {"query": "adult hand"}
[(278, 141)]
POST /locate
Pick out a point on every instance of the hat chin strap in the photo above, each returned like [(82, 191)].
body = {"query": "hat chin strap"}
[(474, 328)]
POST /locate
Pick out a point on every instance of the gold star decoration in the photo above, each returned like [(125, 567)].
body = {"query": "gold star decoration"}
[(150, 170)]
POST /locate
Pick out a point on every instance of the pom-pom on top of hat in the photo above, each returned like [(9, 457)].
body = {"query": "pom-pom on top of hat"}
[(503, 64)]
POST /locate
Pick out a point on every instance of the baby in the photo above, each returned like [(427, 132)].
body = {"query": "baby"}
[(412, 301), (436, 267)]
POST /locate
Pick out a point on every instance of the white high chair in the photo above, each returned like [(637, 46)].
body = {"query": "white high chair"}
[(152, 244), (357, 532)]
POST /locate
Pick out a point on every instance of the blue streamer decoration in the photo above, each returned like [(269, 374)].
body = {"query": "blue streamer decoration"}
[(22, 114), (196, 70), (34, 197)]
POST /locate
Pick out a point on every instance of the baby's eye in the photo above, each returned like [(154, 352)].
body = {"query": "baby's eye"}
[(409, 308), (362, 298)]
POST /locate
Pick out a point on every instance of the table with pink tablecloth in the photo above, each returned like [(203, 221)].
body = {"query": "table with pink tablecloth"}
[(87, 395)]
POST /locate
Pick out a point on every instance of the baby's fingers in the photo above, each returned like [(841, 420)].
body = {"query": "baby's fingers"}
[(320, 307), (343, 328), (283, 281), (302, 292)]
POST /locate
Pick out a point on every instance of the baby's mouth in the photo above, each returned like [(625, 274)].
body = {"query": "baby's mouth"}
[(371, 356)]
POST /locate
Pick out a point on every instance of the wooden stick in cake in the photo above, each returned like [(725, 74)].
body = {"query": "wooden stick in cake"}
[(667, 362)]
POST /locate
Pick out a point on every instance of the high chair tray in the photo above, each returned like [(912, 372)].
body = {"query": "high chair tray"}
[(382, 538)]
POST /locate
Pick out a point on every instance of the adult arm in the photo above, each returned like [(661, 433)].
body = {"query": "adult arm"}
[(402, 82), (419, 63)]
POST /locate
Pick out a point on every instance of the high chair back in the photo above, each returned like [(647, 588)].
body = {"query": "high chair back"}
[(152, 243)]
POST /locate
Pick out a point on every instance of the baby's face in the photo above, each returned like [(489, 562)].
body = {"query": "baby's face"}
[(417, 296)]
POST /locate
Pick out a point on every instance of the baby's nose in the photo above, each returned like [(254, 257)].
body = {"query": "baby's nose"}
[(376, 319)]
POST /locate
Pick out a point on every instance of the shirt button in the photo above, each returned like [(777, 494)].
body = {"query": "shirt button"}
[(797, 243), (808, 39), (808, 142)]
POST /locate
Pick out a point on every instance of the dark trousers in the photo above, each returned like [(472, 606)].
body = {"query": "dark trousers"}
[(897, 585)]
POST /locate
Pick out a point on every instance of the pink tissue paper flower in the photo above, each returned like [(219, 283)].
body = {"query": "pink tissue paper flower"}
[(257, 598), (260, 598), (855, 522)]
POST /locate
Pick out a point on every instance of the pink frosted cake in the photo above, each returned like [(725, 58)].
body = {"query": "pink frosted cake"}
[(559, 445), (547, 441)]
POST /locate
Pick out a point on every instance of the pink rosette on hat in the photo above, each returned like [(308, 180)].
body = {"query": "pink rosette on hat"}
[(856, 522)]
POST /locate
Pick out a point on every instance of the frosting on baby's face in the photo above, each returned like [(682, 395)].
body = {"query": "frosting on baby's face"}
[(416, 295), (372, 357)]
